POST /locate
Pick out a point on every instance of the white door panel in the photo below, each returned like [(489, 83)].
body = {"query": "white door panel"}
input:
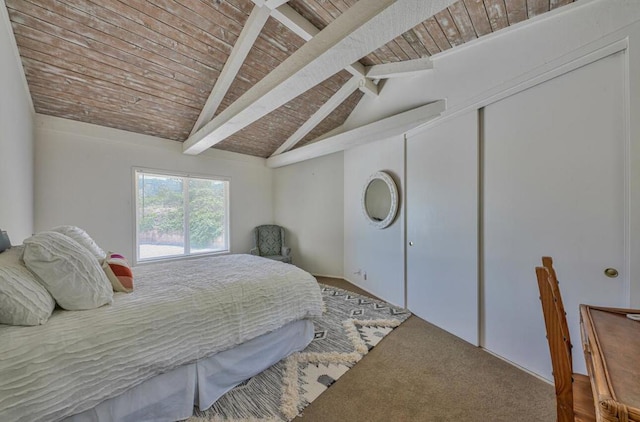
[(442, 225), (554, 184)]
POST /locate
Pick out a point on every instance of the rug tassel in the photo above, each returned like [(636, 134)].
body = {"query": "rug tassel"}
[(290, 388), (352, 333), (332, 357)]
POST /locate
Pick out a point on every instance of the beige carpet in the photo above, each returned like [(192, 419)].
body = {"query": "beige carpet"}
[(421, 373)]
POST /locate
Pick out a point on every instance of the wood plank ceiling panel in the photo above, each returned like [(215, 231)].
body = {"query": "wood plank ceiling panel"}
[(412, 38), (333, 120), (329, 10), (110, 99), (537, 7), (437, 33), (397, 52), (148, 67), (244, 6), (463, 22), (425, 37), (554, 4), (80, 63), (118, 63), (479, 18), (91, 40), (516, 11), (497, 12), (311, 11), (449, 28), (264, 136)]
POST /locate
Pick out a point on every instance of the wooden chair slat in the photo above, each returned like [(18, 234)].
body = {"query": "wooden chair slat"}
[(574, 399)]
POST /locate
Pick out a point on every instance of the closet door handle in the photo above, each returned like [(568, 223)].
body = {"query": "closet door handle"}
[(410, 243), (611, 272)]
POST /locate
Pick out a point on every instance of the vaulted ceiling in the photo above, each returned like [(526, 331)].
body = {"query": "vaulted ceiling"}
[(151, 66)]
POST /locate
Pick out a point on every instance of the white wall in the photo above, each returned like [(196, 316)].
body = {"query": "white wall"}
[(481, 73), (84, 177), (16, 140), (308, 202), (378, 253)]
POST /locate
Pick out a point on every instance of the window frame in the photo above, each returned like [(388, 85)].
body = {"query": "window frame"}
[(186, 176)]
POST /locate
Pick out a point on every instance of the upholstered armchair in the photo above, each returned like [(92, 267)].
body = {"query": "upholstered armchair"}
[(268, 241)]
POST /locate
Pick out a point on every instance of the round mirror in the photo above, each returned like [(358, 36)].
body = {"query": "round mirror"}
[(380, 200)]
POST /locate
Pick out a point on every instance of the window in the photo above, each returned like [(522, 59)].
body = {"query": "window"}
[(179, 215)]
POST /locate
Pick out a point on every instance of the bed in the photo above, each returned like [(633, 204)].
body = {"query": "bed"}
[(190, 331)]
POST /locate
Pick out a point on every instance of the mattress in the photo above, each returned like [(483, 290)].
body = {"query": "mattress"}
[(180, 312)]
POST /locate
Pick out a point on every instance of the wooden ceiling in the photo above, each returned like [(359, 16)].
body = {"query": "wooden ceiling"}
[(150, 66)]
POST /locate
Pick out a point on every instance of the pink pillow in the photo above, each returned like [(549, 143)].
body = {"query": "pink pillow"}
[(118, 272)]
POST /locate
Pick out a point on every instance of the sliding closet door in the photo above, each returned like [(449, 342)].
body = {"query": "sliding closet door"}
[(554, 184), (442, 226)]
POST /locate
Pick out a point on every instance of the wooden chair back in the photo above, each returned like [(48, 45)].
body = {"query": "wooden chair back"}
[(547, 262), (558, 338)]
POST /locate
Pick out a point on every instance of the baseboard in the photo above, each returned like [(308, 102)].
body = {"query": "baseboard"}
[(541, 378), (355, 284), (375, 295), (330, 276)]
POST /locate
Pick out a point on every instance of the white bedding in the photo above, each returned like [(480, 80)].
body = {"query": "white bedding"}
[(171, 396), (179, 312)]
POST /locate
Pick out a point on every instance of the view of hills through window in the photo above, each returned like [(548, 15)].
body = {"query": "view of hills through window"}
[(180, 215)]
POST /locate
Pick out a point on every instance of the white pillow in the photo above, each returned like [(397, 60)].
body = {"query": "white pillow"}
[(83, 238), (23, 300), (68, 271)]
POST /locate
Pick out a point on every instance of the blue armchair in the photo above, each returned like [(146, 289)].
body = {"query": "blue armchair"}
[(268, 241)]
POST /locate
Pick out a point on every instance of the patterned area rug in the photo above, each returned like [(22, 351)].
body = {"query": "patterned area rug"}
[(350, 326)]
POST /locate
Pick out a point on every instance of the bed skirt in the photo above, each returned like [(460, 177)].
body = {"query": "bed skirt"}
[(171, 396)]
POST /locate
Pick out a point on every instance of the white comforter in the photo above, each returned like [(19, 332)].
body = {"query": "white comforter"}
[(179, 312)]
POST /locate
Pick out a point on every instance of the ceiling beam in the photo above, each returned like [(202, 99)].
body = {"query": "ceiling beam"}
[(399, 69), (297, 23), (366, 85), (361, 29), (247, 38), (332, 103), (382, 129)]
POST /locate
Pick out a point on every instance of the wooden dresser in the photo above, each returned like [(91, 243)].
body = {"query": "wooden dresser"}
[(611, 345)]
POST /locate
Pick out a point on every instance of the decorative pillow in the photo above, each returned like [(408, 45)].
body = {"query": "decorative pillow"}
[(118, 272), (68, 271), (23, 300), (81, 236)]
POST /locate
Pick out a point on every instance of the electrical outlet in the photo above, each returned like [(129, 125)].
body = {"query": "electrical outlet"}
[(364, 275)]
